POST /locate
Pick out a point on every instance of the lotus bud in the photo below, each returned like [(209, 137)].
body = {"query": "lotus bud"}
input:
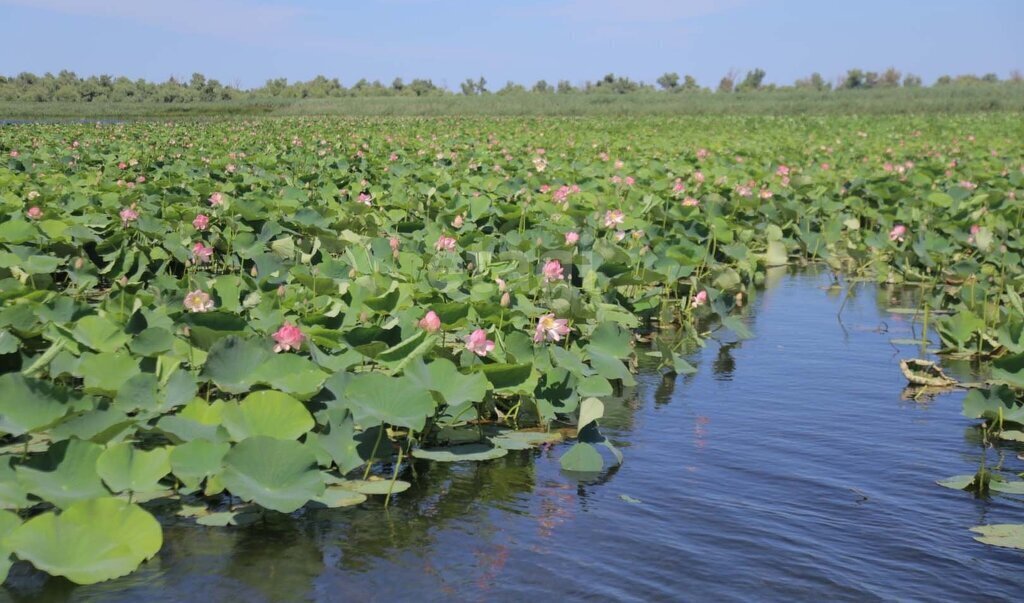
[(79, 263), (506, 299), (280, 290), (123, 281), (253, 272), (470, 266)]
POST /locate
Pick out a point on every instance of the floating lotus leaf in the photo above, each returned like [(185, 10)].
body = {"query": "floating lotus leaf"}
[(277, 474), (462, 452), (91, 541), (381, 487), (292, 374), (233, 363), (335, 497), (267, 413), (99, 333), (151, 342), (442, 376), (1008, 535), (106, 373)]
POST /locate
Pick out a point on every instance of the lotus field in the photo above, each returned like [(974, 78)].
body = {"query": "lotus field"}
[(226, 319)]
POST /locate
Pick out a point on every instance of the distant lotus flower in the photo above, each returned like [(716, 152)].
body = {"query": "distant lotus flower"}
[(968, 185), (744, 190), (216, 199), (897, 233), (140, 179), (128, 214), (616, 179), (975, 229), (506, 299), (288, 337), (678, 186), (782, 170), (445, 244), (571, 238), (630, 181), (702, 154), (637, 234), (550, 328), (32, 195), (699, 299), (202, 253), (502, 286), (394, 242), (619, 164), (690, 202), (826, 166), (201, 222), (14, 154), (431, 323), (34, 213), (887, 167), (553, 271), (613, 218), (122, 166), (365, 199), (393, 157), (620, 234), (230, 168), (539, 164), (784, 181), (765, 194), (698, 176), (544, 188), (478, 343), (458, 221), (198, 301)]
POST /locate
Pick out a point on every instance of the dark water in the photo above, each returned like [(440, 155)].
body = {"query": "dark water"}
[(787, 468)]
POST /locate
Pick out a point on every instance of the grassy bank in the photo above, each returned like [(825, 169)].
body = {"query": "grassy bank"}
[(947, 99)]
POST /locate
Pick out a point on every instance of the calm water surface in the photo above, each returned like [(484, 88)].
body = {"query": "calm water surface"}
[(787, 468)]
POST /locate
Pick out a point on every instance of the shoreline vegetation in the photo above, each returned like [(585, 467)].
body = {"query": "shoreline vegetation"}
[(1000, 97)]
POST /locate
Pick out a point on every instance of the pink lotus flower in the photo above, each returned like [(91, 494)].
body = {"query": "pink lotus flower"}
[(552, 271), (690, 202), (613, 218), (288, 337), (702, 154), (230, 168), (201, 222), (620, 234), (782, 170), (826, 166), (765, 194), (122, 166), (550, 328), (431, 323), (14, 154), (698, 176), (630, 181), (198, 301), (699, 299), (897, 233), (619, 164), (216, 199), (968, 185), (544, 188), (458, 221), (34, 213), (393, 157), (975, 229), (571, 238), (445, 244), (394, 242), (128, 214), (365, 199), (201, 253), (678, 186), (478, 343)]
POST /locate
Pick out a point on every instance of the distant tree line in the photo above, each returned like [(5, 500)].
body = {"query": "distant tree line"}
[(66, 86)]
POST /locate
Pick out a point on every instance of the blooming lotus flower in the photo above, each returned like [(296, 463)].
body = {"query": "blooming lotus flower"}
[(782, 170), (202, 253), (613, 218), (478, 343), (678, 186), (968, 185), (445, 244), (765, 194), (544, 188), (550, 328), (539, 164), (431, 323), (690, 202), (34, 213), (552, 271), (699, 299), (198, 301), (365, 199), (897, 233), (975, 229), (458, 221), (630, 181), (216, 199), (122, 166), (230, 168), (571, 238), (14, 154), (394, 242), (288, 337), (619, 164), (698, 176), (393, 157), (201, 222), (33, 195), (620, 234), (128, 214), (703, 153)]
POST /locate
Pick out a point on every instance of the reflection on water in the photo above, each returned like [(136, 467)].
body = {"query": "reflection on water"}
[(788, 467)]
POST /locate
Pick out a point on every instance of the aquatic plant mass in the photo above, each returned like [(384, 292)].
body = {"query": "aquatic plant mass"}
[(228, 319)]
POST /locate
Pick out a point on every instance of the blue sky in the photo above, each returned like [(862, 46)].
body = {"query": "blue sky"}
[(245, 42)]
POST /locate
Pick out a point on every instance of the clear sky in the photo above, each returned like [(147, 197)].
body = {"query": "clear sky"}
[(245, 42)]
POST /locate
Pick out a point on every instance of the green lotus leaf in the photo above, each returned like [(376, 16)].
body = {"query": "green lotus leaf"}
[(99, 333), (8, 522), (281, 475), (91, 541), (64, 475), (233, 363), (267, 413), (376, 398), (1009, 369), (124, 467), (507, 376), (194, 461), (107, 372), (591, 409), (28, 405), (443, 377), (151, 342), (582, 458), (292, 374), (462, 452)]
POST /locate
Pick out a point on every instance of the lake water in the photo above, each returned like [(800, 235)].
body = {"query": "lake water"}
[(787, 468)]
